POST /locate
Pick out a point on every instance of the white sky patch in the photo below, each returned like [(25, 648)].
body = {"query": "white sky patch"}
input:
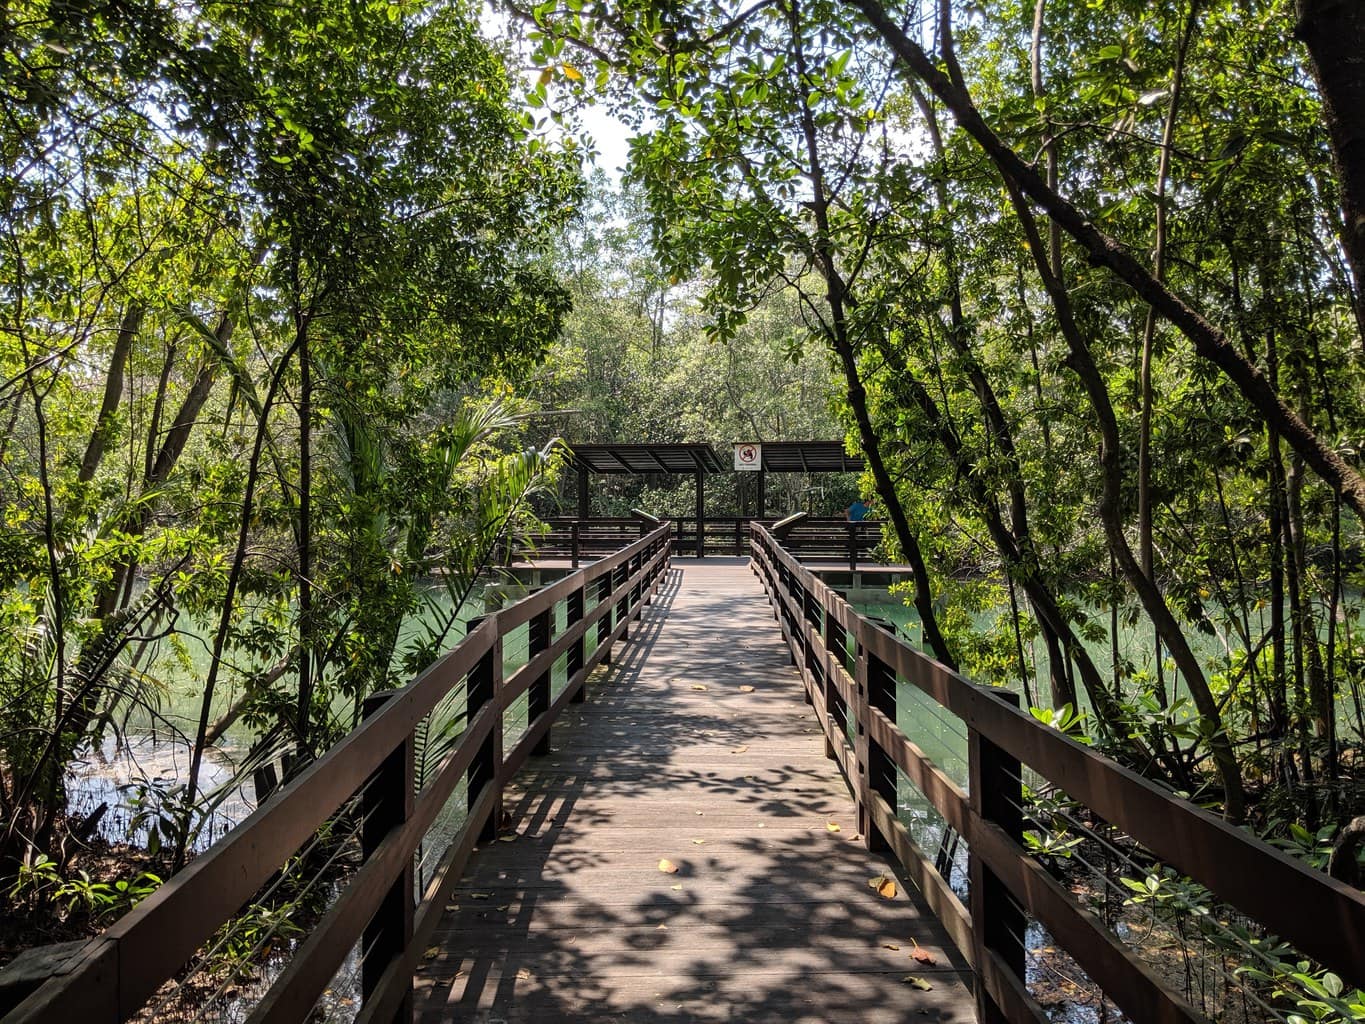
[(610, 137)]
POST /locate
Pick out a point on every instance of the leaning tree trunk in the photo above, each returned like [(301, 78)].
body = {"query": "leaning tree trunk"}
[(1334, 32), (836, 295), (1081, 362), (1208, 341)]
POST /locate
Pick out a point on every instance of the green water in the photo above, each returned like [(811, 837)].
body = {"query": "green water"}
[(151, 746), (173, 669), (1136, 651)]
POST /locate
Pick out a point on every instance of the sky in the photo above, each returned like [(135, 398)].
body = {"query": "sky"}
[(612, 139)]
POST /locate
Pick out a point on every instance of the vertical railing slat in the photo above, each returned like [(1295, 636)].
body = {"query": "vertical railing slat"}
[(386, 803), (996, 795), (484, 685)]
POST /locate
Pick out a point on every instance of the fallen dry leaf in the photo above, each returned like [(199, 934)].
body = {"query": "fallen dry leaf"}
[(479, 895), (699, 686), (431, 953), (698, 842), (746, 689), (831, 826), (452, 906), (890, 945), (668, 867), (886, 887), (524, 974), (676, 888), (914, 981), (740, 750), (509, 839)]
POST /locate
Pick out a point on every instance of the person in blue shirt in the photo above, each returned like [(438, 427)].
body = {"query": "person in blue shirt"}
[(858, 511)]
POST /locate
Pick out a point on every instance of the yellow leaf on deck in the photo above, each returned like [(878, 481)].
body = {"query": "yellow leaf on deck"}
[(740, 750), (698, 842), (831, 826), (698, 686), (886, 887), (917, 982), (890, 945), (668, 867), (746, 689), (432, 952), (676, 888)]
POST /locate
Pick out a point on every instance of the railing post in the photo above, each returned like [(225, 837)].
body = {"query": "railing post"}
[(853, 547), (573, 543), (386, 803), (538, 693), (482, 686), (622, 601), (879, 681), (604, 624), (577, 648), (997, 796), (835, 643)]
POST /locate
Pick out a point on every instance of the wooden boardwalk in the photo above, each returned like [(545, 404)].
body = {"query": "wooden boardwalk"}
[(696, 748)]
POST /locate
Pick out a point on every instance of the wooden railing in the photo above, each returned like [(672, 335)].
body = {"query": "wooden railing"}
[(111, 977), (851, 668), (586, 539), (824, 539)]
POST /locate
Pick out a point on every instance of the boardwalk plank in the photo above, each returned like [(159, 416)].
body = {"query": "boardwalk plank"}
[(769, 916)]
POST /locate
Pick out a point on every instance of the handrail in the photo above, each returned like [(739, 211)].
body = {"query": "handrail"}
[(111, 978), (1316, 914)]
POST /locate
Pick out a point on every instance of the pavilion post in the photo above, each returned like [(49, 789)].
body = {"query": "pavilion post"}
[(583, 492), (761, 512), (701, 513)]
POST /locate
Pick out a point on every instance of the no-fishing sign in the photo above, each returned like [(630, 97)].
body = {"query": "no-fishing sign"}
[(748, 455)]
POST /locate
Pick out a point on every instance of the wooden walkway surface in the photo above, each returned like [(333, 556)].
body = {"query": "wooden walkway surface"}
[(769, 916)]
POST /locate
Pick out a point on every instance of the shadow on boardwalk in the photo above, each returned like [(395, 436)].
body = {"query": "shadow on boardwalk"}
[(696, 747)]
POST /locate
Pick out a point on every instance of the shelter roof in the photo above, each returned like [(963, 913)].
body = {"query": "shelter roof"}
[(809, 457), (645, 458), (778, 457)]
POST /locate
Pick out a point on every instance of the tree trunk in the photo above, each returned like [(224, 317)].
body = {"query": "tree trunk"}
[(1334, 33), (113, 393), (1147, 397), (172, 447), (1082, 363), (1208, 341), (836, 294)]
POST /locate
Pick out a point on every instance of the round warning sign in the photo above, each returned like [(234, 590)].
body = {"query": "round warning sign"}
[(748, 456)]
